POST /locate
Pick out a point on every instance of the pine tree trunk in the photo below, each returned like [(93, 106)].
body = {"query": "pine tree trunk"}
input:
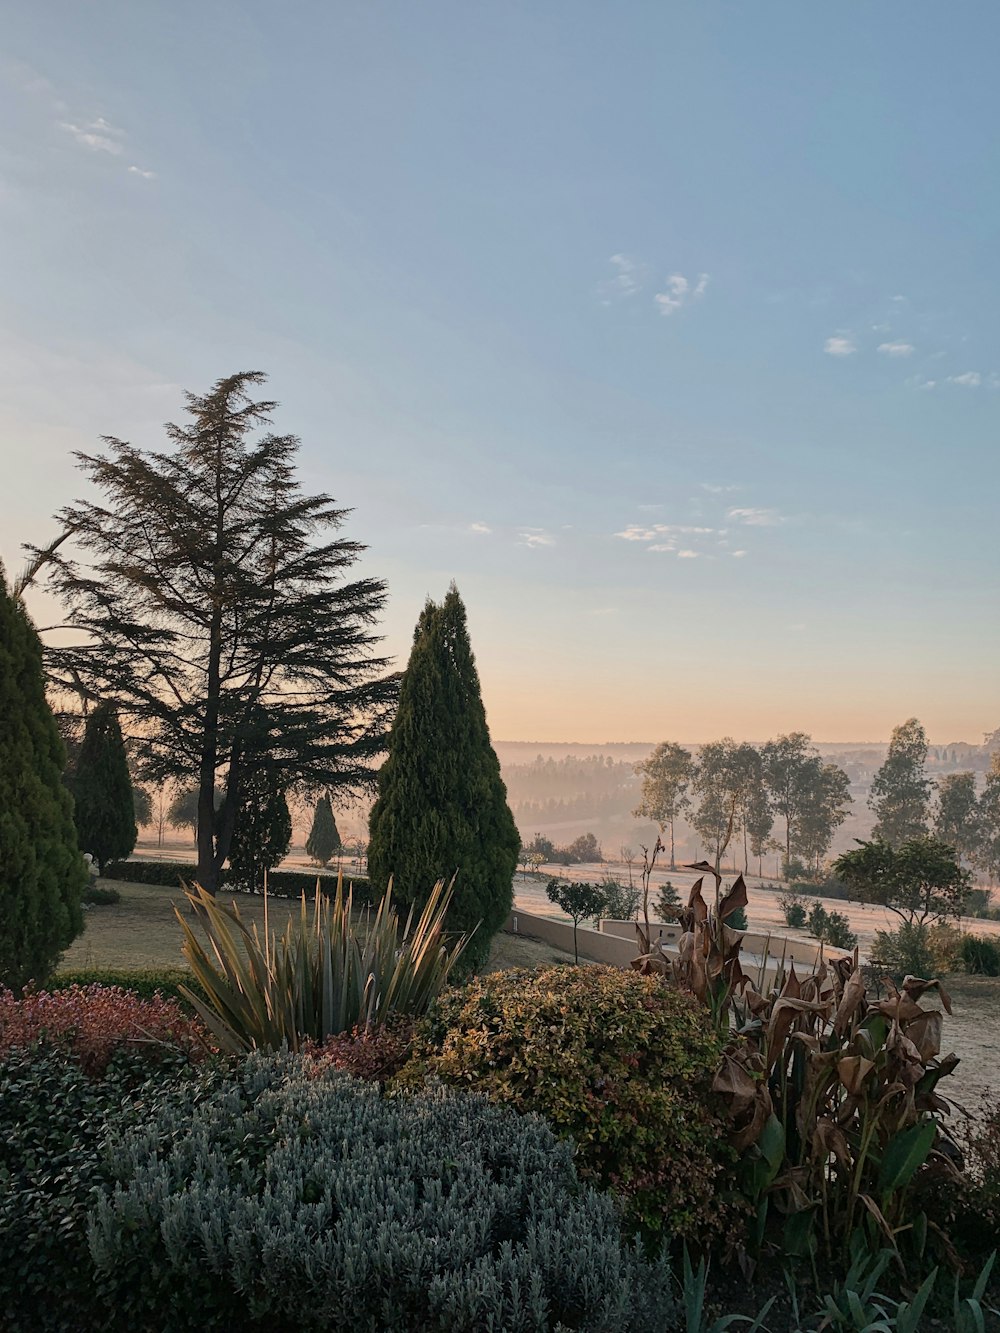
[(673, 863)]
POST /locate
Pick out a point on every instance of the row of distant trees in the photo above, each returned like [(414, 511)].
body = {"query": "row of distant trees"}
[(738, 791)]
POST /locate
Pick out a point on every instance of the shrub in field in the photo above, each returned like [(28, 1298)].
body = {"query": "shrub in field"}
[(615, 1061), (282, 1201), (793, 909), (621, 901), (668, 903), (981, 955), (918, 949), (98, 895), (92, 1023), (831, 928), (54, 1122), (326, 974)]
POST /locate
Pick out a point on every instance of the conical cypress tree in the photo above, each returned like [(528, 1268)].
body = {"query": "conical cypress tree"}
[(324, 836), (102, 790), (442, 805), (42, 873)]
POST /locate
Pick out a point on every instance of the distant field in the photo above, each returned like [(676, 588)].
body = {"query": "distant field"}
[(142, 931)]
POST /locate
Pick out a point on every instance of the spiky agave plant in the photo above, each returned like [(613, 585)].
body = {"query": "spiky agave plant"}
[(327, 973)]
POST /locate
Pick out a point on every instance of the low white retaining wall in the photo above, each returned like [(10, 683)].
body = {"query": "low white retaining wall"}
[(616, 943)]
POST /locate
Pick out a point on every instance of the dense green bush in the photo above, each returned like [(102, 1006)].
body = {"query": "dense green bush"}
[(280, 883), (981, 955), (918, 949), (54, 1123), (98, 895), (616, 1061), (831, 928), (284, 1202), (143, 981)]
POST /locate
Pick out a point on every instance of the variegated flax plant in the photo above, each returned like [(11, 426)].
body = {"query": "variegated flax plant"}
[(330, 971), (833, 1096)]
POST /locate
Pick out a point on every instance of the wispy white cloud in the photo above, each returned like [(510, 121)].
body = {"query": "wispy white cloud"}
[(738, 555), (635, 533), (970, 379), (662, 546), (535, 537), (480, 527), (146, 175), (99, 135), (687, 555), (896, 349), (756, 518), (839, 346), (678, 292), (714, 489)]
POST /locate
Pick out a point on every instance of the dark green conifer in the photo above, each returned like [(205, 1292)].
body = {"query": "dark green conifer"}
[(442, 805), (102, 790), (263, 830), (42, 873), (324, 836)]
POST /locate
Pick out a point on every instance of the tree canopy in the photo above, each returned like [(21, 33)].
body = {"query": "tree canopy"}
[(900, 791), (920, 880), (206, 591), (442, 805), (42, 873), (666, 776)]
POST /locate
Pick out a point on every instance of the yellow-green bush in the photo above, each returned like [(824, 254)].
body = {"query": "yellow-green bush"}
[(614, 1061)]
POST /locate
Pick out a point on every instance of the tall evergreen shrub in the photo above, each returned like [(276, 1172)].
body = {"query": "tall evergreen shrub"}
[(442, 805), (41, 870), (324, 836), (102, 790)]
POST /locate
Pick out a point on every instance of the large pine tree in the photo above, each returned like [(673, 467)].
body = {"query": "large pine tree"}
[(324, 836), (208, 591), (42, 873), (102, 790), (442, 805)]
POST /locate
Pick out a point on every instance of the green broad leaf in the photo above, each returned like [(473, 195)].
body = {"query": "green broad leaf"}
[(905, 1154)]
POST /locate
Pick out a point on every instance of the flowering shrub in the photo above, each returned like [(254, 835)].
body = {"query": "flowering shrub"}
[(613, 1060), (92, 1023)]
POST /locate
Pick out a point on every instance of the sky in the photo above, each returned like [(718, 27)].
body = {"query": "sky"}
[(670, 331)]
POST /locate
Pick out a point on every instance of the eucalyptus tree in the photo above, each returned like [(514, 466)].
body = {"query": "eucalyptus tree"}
[(666, 777), (901, 790), (204, 590)]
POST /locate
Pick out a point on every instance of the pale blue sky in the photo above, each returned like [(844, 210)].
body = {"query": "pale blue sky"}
[(669, 330)]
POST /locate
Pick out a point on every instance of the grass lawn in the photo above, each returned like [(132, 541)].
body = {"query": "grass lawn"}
[(142, 931)]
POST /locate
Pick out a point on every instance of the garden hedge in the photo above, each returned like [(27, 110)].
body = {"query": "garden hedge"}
[(617, 1062), (280, 883)]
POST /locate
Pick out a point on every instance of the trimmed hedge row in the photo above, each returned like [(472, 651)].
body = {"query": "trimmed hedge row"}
[(280, 883), (146, 982)]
